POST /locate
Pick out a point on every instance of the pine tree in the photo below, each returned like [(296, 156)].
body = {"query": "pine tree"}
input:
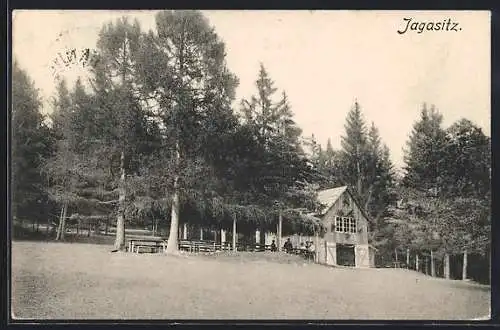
[(183, 72), (354, 151), (31, 145), (366, 168), (424, 150), (285, 175), (114, 69), (465, 164), (60, 168)]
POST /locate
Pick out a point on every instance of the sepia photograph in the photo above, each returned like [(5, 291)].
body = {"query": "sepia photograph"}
[(250, 165)]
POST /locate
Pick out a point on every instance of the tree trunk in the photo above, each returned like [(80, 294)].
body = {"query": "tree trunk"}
[(279, 230), (416, 263), (201, 234), (60, 227), (47, 230), (172, 245), (37, 225), (396, 254), (185, 231), (78, 228), (433, 267), (407, 258), (464, 267), (234, 234), (106, 227), (63, 226), (120, 220), (447, 266)]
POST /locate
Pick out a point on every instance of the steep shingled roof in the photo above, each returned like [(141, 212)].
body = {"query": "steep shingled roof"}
[(328, 197)]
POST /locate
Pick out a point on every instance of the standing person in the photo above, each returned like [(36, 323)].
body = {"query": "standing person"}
[(273, 246), (288, 247)]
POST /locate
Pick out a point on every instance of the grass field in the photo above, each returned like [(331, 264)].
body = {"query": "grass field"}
[(85, 281)]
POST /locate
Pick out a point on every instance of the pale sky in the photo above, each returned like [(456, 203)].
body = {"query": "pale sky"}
[(324, 60)]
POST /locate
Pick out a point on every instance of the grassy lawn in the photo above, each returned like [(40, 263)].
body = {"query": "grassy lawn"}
[(86, 281)]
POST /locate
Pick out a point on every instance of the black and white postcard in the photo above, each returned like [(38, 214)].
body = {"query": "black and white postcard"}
[(250, 165)]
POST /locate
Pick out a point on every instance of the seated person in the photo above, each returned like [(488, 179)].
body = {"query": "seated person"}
[(273, 247), (311, 250)]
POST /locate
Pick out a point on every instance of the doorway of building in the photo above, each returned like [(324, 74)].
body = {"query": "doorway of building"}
[(346, 255)]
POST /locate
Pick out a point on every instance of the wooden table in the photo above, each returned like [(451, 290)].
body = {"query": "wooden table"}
[(135, 244)]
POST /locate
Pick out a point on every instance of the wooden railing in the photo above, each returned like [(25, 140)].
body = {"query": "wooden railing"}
[(194, 246)]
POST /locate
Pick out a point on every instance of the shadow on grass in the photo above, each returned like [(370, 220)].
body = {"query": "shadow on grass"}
[(22, 234)]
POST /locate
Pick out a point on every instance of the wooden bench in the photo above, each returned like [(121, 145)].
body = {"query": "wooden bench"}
[(199, 246)]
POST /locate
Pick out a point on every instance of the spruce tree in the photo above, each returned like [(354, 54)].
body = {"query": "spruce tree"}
[(354, 151), (31, 146), (424, 150)]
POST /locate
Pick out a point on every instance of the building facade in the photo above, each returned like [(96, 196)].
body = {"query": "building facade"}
[(345, 242)]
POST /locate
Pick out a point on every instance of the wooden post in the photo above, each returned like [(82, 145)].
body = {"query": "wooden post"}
[(234, 234), (407, 258), (185, 230), (316, 247), (433, 267), (222, 236), (464, 267), (416, 263), (279, 228), (447, 266)]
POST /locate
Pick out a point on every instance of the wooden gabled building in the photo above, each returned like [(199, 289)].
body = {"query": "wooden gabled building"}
[(345, 242)]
